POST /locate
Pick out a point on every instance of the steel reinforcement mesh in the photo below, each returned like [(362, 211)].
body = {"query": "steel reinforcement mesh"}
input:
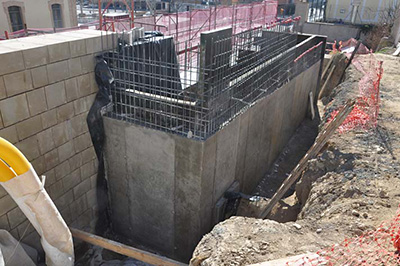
[(197, 92)]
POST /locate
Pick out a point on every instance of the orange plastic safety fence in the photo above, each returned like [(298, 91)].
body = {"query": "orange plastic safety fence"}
[(378, 247), (365, 113)]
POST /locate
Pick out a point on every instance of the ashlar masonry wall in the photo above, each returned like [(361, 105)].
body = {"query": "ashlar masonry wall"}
[(47, 87)]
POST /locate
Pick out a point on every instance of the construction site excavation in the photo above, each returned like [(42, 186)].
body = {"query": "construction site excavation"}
[(220, 135)]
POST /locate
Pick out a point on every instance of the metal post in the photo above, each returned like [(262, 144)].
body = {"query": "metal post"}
[(251, 14), (215, 16), (132, 14), (209, 20), (176, 25), (100, 16)]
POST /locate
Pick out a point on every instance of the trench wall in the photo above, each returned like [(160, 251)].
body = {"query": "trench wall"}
[(163, 187), (47, 87)]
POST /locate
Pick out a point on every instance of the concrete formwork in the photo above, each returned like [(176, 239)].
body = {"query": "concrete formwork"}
[(163, 187)]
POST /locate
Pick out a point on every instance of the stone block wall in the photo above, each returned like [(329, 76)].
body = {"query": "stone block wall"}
[(47, 87)]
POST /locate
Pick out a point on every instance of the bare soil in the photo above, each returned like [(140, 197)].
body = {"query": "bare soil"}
[(351, 187)]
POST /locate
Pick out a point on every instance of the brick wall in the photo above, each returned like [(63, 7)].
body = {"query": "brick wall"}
[(47, 87)]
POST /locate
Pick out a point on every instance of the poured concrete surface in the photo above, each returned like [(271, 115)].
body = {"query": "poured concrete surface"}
[(163, 187)]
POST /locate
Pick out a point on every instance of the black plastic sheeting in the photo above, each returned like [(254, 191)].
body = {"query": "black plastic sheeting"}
[(104, 79), (149, 65)]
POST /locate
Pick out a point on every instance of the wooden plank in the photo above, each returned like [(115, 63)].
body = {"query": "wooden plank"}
[(122, 249), (319, 143), (322, 91), (327, 67)]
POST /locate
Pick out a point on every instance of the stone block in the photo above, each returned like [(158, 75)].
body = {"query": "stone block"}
[(66, 215), (11, 61), (62, 133), (62, 170), (51, 159), (29, 127), (82, 142), (71, 88), (39, 165), (93, 85), (81, 105), (75, 67), (81, 188), (84, 220), (57, 189), (4, 223), (14, 109), (39, 76), (84, 85), (66, 151), (6, 204), (50, 177), (3, 192), (14, 233), (90, 100), (59, 51), (93, 181), (46, 142), (49, 118), (58, 71), (79, 206), (75, 161), (16, 217), (55, 94), (91, 197), (65, 112), (65, 200), (88, 155), (3, 93), (88, 63), (29, 147), (36, 57), (36, 101), (78, 48), (93, 45), (79, 125), (24, 229), (72, 180), (87, 170), (10, 134), (18, 82)]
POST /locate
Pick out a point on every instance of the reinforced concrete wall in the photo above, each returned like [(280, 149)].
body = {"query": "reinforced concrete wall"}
[(338, 32), (163, 187), (47, 86)]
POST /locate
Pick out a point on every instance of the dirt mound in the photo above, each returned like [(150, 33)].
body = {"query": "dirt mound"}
[(350, 188), (243, 241)]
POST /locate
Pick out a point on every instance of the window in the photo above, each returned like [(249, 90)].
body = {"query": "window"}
[(57, 15), (16, 18)]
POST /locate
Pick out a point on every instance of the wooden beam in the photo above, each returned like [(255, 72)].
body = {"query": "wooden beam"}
[(319, 143), (122, 249), (322, 91)]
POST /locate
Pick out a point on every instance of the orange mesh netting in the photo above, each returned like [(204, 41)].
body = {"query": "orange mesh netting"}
[(365, 113), (378, 247)]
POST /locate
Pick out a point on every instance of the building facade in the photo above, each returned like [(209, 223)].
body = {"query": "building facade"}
[(17, 14), (360, 11)]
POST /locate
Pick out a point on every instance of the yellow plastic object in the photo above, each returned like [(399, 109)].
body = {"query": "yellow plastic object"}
[(14, 158)]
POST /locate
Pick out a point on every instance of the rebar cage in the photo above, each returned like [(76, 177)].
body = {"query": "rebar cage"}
[(196, 92)]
